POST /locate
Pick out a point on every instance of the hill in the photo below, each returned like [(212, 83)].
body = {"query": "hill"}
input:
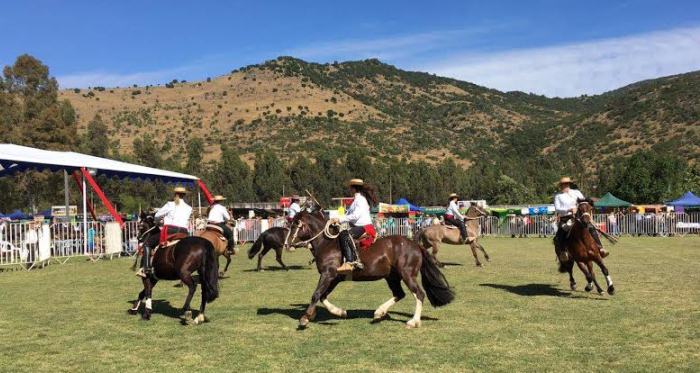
[(291, 106)]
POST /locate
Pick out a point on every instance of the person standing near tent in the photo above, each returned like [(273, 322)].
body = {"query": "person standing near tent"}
[(454, 217), (219, 216), (176, 219), (565, 205)]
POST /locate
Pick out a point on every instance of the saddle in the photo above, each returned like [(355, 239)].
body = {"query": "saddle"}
[(216, 229), (448, 226), (172, 239)]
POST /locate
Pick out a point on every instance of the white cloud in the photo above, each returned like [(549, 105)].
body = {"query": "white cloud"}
[(584, 68)]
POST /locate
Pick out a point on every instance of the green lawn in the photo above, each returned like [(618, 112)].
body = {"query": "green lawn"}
[(514, 314)]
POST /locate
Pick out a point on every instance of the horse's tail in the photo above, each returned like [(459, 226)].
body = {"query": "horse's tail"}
[(256, 246), (210, 273), (434, 282)]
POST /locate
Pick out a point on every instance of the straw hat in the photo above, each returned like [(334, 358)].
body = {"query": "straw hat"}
[(565, 180), (295, 197), (453, 195), (180, 190), (219, 198), (356, 182)]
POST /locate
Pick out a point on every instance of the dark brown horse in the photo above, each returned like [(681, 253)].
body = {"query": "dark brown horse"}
[(393, 258), (272, 238), (584, 251), (179, 262)]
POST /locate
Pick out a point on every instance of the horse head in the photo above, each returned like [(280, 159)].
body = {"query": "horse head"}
[(584, 210), (475, 211), (147, 223)]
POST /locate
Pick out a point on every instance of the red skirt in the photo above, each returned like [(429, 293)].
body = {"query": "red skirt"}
[(368, 241)]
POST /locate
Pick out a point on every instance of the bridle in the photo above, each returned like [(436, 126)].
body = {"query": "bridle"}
[(325, 231), (580, 215)]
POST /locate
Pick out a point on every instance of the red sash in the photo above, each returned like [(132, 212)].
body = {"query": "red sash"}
[(163, 234), (368, 241)]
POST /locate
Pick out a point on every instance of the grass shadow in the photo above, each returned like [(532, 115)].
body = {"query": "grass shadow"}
[(277, 268), (530, 290), (452, 264), (324, 317), (163, 307)]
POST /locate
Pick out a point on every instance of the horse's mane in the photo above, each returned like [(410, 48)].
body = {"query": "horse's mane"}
[(586, 200)]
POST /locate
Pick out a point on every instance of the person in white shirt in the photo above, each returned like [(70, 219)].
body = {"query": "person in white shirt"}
[(360, 220), (176, 217), (454, 217), (294, 209), (219, 216), (565, 206)]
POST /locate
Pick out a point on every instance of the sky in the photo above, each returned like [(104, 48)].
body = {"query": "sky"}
[(556, 48)]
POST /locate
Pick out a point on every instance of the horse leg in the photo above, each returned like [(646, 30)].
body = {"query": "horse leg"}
[(589, 264), (608, 279), (589, 277), (334, 310), (486, 255), (135, 309), (192, 286), (410, 280), (200, 319), (278, 257), (148, 288), (472, 246), (394, 282), (435, 252), (323, 283), (260, 257), (570, 269), (228, 262)]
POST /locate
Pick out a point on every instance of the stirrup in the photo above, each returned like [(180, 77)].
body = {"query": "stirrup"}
[(357, 265), (346, 267), (141, 273)]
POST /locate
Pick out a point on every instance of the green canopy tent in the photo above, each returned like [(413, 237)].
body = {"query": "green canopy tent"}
[(609, 200)]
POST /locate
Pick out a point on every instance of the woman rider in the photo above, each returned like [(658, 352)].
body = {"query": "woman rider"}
[(454, 217), (360, 220)]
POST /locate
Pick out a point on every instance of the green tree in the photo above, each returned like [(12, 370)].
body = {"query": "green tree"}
[(269, 177), (232, 177), (195, 149), (95, 141)]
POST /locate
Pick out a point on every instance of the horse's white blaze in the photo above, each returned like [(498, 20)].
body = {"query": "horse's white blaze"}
[(137, 305), (415, 321), (337, 311), (609, 280), (384, 308), (148, 303)]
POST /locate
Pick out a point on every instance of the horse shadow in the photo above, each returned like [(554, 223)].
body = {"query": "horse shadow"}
[(278, 268), (163, 307), (534, 290), (323, 317), (452, 264)]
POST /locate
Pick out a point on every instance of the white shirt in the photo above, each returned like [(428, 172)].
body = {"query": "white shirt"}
[(564, 201), (175, 215), (218, 214), (294, 209), (358, 212), (453, 210)]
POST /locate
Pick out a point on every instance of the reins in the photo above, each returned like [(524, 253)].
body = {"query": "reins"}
[(325, 231)]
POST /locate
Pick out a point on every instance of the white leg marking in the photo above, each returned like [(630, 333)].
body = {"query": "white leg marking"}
[(337, 311), (136, 307), (148, 303), (199, 319), (384, 308), (609, 280), (415, 321)]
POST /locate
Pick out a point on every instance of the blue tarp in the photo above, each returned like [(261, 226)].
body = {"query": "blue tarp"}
[(412, 207), (688, 200), (18, 215)]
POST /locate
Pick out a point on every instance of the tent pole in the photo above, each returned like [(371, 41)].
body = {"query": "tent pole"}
[(85, 227), (66, 194), (199, 202)]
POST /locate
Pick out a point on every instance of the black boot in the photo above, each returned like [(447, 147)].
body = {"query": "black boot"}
[(598, 242)]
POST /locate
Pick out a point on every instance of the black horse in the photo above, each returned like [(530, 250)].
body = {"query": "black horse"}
[(179, 262), (272, 238)]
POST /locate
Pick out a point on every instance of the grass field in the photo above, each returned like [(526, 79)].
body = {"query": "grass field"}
[(515, 314)]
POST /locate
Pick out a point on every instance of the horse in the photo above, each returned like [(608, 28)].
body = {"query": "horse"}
[(178, 262), (584, 251), (273, 238), (215, 235), (432, 236), (392, 258)]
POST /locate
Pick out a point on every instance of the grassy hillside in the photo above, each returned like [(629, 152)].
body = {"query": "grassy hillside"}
[(293, 107)]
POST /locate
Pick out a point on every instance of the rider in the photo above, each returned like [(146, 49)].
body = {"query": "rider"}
[(294, 209), (176, 216), (358, 215), (218, 215), (454, 217), (565, 205)]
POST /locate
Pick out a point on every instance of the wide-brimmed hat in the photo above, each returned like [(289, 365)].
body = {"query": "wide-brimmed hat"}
[(295, 197), (356, 182), (180, 190), (453, 195), (219, 198), (565, 180)]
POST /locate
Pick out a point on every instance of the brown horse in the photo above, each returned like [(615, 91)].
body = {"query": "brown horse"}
[(179, 262), (583, 250), (215, 235), (393, 258), (432, 236)]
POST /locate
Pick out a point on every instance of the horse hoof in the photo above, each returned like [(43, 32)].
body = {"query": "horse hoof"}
[(411, 324), (344, 314), (188, 315), (303, 322), (200, 319), (611, 290), (588, 288), (132, 311), (479, 265), (378, 317), (146, 317), (573, 287)]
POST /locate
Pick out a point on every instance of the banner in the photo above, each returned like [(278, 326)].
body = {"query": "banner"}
[(113, 238), (385, 208), (44, 242)]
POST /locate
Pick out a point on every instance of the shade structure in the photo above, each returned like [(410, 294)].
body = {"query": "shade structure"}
[(17, 158), (412, 207), (609, 200), (687, 200)]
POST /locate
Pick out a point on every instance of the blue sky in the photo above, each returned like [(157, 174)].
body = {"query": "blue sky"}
[(557, 48)]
